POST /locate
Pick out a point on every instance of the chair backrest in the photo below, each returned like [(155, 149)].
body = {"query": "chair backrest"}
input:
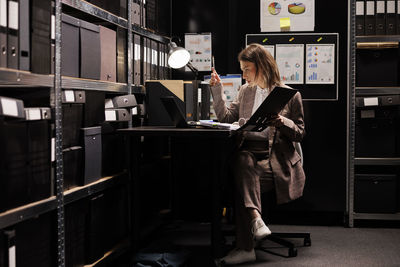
[(297, 146)]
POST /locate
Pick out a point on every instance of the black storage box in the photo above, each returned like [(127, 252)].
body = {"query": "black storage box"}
[(92, 148), (377, 132), (75, 225), (108, 47), (377, 67), (90, 50), (73, 167), (113, 149), (36, 242), (24, 162), (72, 116), (94, 108), (375, 193), (70, 46), (96, 230)]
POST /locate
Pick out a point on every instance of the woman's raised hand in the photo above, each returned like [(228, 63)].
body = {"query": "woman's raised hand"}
[(215, 79)]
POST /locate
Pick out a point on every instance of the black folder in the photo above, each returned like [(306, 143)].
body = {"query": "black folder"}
[(90, 50), (12, 37), (360, 18), (137, 68), (370, 18), (40, 39), (272, 105), (121, 55), (380, 14), (24, 35), (3, 36), (391, 17), (154, 60)]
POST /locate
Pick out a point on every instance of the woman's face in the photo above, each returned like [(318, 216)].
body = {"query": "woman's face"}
[(249, 72)]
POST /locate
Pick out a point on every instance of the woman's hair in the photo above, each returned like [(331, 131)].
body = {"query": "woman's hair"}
[(266, 67)]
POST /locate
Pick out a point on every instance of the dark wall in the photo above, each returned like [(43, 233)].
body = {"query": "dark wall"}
[(325, 143)]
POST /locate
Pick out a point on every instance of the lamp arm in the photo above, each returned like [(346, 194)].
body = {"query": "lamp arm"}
[(193, 69)]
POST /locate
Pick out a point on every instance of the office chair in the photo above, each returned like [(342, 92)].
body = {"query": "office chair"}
[(281, 238)]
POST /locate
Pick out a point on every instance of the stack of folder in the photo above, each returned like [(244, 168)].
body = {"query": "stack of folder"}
[(379, 17)]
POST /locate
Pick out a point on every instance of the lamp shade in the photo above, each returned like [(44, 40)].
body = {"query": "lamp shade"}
[(178, 57)]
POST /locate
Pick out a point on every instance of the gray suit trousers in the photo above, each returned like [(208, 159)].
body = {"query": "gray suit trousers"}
[(252, 177)]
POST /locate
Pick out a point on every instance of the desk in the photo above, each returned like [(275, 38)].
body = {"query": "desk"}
[(217, 140)]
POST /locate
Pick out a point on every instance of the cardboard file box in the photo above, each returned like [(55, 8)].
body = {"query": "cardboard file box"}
[(375, 193), (24, 162), (93, 108), (36, 243), (117, 114), (72, 166), (70, 46), (72, 116), (124, 101), (92, 154), (90, 50), (155, 90), (108, 48)]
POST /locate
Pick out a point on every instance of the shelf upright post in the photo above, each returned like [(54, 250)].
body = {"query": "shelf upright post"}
[(130, 52), (58, 139), (351, 113)]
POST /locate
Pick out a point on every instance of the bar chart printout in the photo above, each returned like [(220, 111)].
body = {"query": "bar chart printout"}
[(290, 60), (320, 63)]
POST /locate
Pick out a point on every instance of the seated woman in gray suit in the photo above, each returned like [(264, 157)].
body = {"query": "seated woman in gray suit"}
[(267, 160)]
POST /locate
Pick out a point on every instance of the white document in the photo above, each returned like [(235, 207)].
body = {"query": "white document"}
[(320, 63), (270, 49), (199, 47), (301, 15), (290, 60)]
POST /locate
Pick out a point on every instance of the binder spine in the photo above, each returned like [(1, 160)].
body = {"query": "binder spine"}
[(24, 37), (360, 18), (380, 17), (370, 18), (391, 17), (12, 41)]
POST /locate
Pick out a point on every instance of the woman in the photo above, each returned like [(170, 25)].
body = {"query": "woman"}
[(267, 160)]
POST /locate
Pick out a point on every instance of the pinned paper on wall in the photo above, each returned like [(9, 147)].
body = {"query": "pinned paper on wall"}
[(285, 15), (199, 47), (290, 61)]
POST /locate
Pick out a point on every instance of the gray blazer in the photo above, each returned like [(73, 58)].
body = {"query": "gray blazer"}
[(288, 172)]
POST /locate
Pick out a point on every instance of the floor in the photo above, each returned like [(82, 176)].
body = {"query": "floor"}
[(331, 246)]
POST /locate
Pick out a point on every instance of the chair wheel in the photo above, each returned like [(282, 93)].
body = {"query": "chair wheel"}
[(307, 242), (292, 252)]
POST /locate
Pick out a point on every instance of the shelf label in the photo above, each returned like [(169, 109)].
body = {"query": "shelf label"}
[(9, 107), (370, 101), (110, 115), (69, 96)]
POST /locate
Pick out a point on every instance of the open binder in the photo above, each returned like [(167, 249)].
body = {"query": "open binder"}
[(271, 106)]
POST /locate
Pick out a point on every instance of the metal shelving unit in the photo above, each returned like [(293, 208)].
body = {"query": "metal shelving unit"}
[(353, 91), (55, 83)]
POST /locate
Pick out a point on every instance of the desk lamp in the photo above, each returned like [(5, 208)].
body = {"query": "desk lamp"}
[(179, 57)]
